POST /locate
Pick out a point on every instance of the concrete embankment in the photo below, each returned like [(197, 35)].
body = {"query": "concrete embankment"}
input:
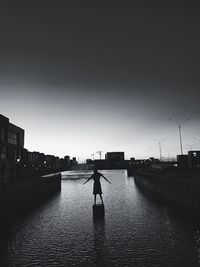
[(19, 195), (182, 193)]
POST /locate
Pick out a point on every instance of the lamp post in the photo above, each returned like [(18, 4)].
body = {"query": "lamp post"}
[(179, 128), (159, 144)]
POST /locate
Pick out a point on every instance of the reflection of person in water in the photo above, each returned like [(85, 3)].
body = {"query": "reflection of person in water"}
[(97, 185)]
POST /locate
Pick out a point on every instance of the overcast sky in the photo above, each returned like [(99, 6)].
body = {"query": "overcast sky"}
[(93, 75)]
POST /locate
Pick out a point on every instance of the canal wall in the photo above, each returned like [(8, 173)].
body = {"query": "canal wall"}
[(181, 193), (16, 196)]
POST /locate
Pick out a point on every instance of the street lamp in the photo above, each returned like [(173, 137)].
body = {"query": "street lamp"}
[(179, 127), (159, 144)]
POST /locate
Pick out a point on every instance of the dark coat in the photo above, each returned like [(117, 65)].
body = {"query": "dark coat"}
[(97, 184)]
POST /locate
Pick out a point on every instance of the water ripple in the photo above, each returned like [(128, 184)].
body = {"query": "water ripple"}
[(137, 231)]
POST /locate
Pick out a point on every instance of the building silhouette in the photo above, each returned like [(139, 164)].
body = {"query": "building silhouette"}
[(16, 162), (11, 147), (194, 159), (115, 157)]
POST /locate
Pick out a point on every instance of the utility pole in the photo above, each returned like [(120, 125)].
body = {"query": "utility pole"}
[(159, 145), (99, 152), (179, 128)]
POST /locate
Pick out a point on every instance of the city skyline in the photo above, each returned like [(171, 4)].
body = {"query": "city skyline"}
[(85, 77)]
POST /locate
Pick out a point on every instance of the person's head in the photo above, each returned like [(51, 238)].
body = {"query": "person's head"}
[(95, 170)]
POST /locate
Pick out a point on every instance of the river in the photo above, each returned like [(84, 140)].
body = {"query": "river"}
[(137, 230)]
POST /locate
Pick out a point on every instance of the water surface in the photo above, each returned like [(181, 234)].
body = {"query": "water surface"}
[(137, 230)]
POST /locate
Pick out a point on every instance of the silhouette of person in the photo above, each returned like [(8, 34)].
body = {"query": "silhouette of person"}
[(97, 185)]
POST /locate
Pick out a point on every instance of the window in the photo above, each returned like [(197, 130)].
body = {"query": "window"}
[(2, 133), (2, 153), (12, 138)]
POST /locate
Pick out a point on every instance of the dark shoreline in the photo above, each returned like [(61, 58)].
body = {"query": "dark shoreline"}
[(181, 192), (19, 196)]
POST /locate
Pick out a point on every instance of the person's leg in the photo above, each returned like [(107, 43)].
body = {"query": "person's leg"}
[(101, 198), (95, 197)]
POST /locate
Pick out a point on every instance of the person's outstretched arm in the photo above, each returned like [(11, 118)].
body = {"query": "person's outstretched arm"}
[(87, 180), (105, 178)]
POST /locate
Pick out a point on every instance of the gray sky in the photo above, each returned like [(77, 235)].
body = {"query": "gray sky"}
[(93, 75)]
